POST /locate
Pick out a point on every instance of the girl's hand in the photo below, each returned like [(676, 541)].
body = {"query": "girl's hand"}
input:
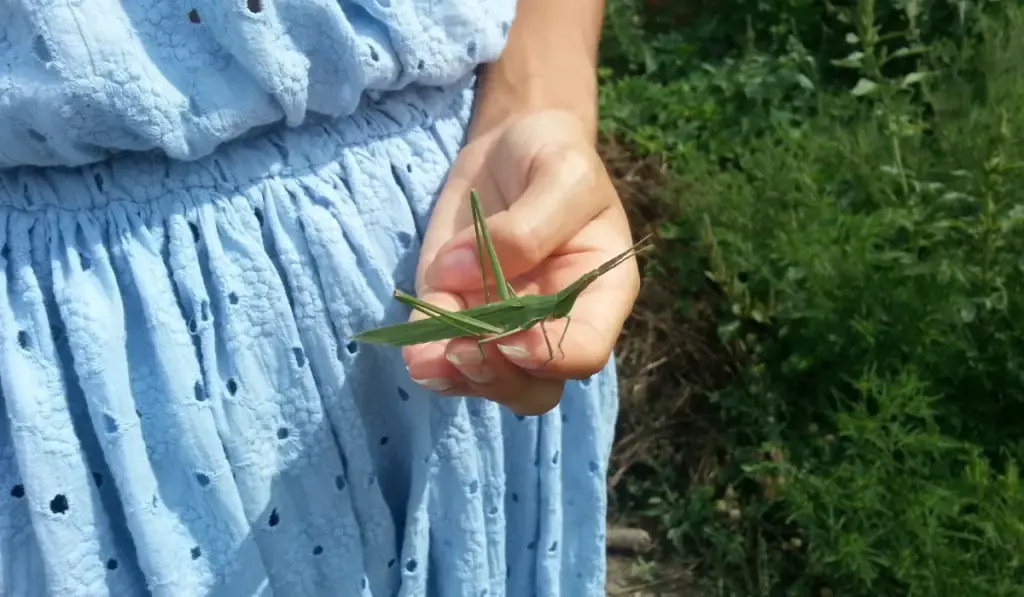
[(553, 216)]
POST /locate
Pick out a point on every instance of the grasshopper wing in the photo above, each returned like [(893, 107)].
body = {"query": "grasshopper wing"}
[(436, 328)]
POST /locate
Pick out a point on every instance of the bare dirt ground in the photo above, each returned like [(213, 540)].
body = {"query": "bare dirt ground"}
[(629, 577), (630, 574)]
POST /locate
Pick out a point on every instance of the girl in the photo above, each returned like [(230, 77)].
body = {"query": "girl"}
[(200, 204)]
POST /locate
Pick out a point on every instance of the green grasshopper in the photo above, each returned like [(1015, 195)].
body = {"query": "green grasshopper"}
[(509, 315)]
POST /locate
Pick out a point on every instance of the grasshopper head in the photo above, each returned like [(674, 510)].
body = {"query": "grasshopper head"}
[(567, 298)]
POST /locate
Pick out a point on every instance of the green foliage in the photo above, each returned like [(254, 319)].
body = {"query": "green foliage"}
[(862, 236)]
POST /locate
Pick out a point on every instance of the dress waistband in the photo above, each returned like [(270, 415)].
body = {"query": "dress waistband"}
[(148, 177)]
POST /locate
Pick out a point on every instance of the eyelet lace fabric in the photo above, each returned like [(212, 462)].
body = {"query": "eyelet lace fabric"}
[(182, 410), (84, 79)]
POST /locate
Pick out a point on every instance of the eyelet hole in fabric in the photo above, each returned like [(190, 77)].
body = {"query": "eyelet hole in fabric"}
[(59, 504), (254, 6), (193, 17), (41, 49)]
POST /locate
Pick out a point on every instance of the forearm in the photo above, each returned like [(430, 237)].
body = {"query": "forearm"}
[(549, 62)]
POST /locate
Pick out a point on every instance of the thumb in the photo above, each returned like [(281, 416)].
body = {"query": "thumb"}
[(560, 198)]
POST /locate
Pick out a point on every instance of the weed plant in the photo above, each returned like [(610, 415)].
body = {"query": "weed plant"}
[(853, 183)]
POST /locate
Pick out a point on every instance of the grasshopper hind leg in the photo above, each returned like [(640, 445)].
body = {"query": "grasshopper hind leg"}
[(568, 320), (547, 340)]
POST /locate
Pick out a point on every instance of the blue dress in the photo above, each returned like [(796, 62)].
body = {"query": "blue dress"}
[(200, 203)]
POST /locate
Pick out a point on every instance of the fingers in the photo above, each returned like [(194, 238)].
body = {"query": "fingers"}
[(526, 372), (446, 220), (426, 361), (497, 379), (459, 369), (566, 191)]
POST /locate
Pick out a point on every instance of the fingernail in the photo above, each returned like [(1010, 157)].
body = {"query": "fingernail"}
[(465, 356), (434, 384), (470, 363), (459, 260), (518, 355)]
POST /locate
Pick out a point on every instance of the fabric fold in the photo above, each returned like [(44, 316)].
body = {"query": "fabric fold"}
[(184, 411)]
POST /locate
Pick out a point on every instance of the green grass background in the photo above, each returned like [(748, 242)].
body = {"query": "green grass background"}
[(841, 206)]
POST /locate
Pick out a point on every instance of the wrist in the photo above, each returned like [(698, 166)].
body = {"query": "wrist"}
[(502, 95), (549, 63)]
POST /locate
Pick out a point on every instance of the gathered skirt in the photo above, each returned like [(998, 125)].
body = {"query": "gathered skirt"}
[(183, 412)]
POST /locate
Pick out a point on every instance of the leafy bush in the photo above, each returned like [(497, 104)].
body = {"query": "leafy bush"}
[(864, 251)]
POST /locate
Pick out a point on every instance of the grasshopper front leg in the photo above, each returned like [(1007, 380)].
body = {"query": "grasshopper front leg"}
[(521, 328), (507, 333)]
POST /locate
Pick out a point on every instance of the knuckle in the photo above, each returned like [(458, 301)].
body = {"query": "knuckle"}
[(580, 172), (524, 241), (576, 167)]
